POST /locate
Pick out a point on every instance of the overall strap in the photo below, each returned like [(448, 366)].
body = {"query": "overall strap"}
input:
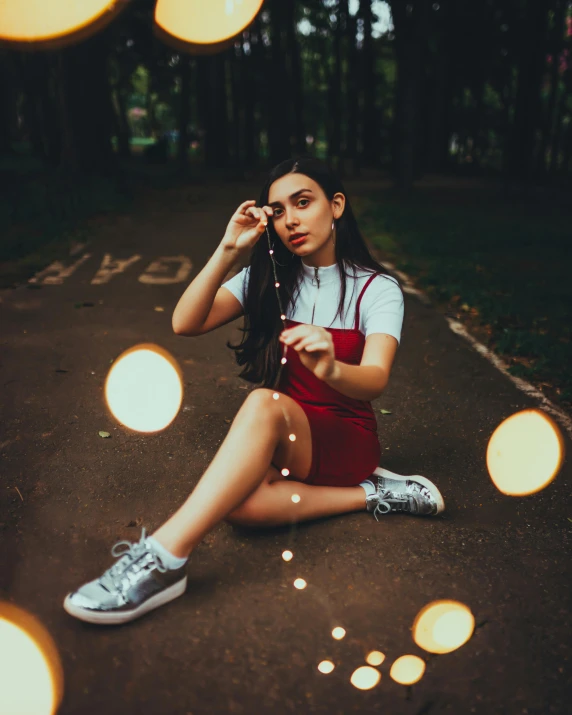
[(369, 280)]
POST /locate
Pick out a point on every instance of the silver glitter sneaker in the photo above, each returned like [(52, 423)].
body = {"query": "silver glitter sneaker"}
[(136, 584), (411, 495)]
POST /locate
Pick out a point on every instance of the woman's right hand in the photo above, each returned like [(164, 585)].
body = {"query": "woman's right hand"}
[(246, 226)]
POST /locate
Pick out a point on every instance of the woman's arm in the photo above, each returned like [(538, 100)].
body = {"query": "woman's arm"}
[(362, 382), (196, 302)]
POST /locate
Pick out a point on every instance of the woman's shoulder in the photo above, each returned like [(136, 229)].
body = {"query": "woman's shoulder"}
[(380, 279)]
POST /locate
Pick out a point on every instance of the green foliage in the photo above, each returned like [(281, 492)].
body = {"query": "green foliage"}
[(507, 267)]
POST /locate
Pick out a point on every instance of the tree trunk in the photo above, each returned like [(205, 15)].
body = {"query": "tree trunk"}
[(252, 66), (85, 108), (123, 131), (555, 45), (279, 88), (237, 71), (531, 48), (216, 121), (440, 98), (184, 115), (409, 41), (371, 119), (559, 133), (296, 80), (341, 54), (353, 97), (255, 93), (8, 95)]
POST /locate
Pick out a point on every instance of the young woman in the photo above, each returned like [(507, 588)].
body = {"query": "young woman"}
[(309, 429)]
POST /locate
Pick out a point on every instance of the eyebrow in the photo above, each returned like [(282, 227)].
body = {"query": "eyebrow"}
[(292, 196)]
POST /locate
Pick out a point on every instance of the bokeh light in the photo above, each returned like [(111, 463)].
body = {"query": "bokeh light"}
[(144, 388), (31, 674), (365, 677), (326, 666), (287, 555), (525, 453), (300, 583), (443, 626), (407, 669), (38, 21), (338, 633), (375, 657), (195, 25)]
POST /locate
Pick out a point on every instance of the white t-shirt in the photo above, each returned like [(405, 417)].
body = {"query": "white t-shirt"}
[(381, 307)]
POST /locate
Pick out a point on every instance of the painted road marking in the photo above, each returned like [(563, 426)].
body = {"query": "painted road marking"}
[(111, 267), (162, 271), (56, 272), (153, 274)]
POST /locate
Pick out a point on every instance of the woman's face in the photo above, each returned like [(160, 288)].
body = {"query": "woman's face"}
[(308, 212)]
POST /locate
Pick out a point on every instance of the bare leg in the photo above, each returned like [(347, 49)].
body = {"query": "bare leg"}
[(236, 473), (272, 505), (238, 468)]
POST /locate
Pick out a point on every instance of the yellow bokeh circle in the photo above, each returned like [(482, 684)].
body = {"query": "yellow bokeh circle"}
[(44, 24), (365, 678), (375, 657), (31, 671), (443, 626), (407, 669), (144, 388), (525, 453), (197, 26)]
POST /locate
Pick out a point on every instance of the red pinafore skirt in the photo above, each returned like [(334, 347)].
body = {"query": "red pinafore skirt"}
[(345, 444)]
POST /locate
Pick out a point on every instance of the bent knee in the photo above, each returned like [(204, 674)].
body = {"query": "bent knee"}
[(262, 403), (262, 394), (252, 510), (244, 515)]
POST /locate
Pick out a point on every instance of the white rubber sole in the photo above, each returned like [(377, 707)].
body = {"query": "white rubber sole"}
[(159, 599), (435, 493)]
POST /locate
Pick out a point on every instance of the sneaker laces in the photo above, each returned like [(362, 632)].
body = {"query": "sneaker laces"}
[(386, 498), (127, 565)]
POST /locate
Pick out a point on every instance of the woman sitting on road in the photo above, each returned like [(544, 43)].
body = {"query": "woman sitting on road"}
[(310, 428)]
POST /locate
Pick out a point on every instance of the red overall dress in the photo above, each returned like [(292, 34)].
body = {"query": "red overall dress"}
[(345, 445)]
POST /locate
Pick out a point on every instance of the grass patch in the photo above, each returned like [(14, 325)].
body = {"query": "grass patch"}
[(501, 268)]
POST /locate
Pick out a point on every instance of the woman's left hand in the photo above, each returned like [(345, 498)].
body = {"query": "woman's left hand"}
[(315, 347)]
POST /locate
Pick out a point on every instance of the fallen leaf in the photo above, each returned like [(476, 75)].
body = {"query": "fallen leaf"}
[(104, 434), (159, 309), (385, 412)]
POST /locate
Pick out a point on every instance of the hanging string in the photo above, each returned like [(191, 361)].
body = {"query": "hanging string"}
[(276, 286), (284, 360)]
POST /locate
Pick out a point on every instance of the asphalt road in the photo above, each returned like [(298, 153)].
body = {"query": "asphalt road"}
[(242, 639)]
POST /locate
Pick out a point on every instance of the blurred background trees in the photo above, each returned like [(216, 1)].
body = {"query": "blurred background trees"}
[(407, 88)]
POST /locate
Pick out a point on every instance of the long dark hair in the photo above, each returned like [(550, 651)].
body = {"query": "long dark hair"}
[(260, 350)]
